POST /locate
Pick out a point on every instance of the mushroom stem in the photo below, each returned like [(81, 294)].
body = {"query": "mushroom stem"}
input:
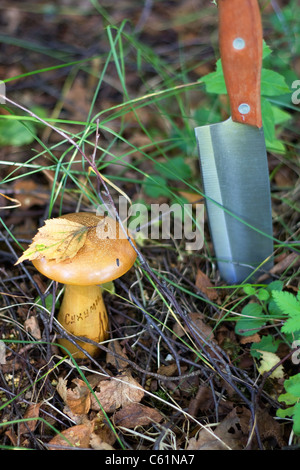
[(83, 313)]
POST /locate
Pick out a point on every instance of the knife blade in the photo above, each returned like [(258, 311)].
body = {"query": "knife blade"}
[(233, 156)]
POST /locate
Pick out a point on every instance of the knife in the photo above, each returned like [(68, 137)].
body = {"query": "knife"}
[(233, 157)]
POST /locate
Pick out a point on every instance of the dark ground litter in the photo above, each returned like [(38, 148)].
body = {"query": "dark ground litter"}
[(175, 364)]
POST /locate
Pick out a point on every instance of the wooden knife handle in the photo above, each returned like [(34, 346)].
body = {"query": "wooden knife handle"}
[(240, 39)]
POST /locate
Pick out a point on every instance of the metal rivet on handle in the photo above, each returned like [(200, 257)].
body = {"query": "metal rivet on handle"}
[(239, 43), (244, 108)]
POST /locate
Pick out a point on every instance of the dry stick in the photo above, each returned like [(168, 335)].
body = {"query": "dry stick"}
[(152, 323), (54, 289), (74, 339), (144, 16), (134, 366), (184, 348), (226, 374)]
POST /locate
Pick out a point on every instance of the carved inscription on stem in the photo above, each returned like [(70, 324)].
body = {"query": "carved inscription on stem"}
[(71, 318)]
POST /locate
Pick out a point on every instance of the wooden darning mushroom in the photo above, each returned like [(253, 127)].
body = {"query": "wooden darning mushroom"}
[(106, 255)]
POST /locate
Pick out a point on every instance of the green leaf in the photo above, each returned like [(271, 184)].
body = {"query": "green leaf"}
[(249, 289), (292, 397), (263, 295), (207, 115), (48, 302), (251, 320), (272, 83), (269, 123), (13, 132), (266, 50), (274, 310), (289, 305), (276, 146), (287, 302), (109, 287), (280, 116), (292, 385), (283, 413), (291, 325), (174, 169), (155, 186), (275, 285), (267, 343), (214, 81), (268, 120), (296, 418)]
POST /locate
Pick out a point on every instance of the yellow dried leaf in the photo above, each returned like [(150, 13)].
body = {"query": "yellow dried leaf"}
[(58, 239), (268, 361)]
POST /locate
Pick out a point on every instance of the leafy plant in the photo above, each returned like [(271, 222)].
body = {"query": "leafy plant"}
[(171, 170), (256, 315), (272, 304), (292, 398), (275, 304), (290, 306)]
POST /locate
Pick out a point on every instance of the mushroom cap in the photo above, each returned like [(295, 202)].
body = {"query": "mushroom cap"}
[(106, 255)]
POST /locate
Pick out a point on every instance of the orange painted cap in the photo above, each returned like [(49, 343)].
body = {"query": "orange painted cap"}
[(106, 255)]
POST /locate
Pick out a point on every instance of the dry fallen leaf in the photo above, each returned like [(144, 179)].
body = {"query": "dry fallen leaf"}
[(169, 369), (227, 435), (256, 338), (97, 444), (58, 239), (116, 393), (77, 99), (196, 322), (61, 388), (193, 198), (77, 436), (29, 193), (12, 437), (204, 285), (103, 436), (204, 400), (282, 263), (111, 358), (79, 398), (31, 412), (135, 414), (32, 325)]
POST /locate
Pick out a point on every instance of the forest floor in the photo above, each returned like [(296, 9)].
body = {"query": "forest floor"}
[(175, 373)]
